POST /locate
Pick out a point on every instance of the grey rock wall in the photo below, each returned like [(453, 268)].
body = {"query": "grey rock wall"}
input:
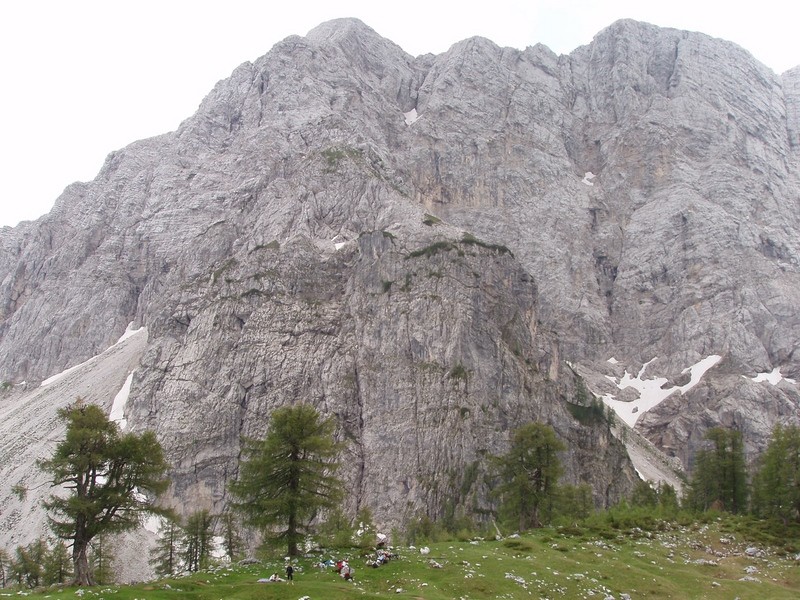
[(635, 199)]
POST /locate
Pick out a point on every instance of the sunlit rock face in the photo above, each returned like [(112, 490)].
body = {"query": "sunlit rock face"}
[(431, 250)]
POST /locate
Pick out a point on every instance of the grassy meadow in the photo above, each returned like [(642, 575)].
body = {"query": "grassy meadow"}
[(710, 560)]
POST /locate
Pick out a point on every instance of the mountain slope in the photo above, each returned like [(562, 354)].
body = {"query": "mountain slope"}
[(418, 245)]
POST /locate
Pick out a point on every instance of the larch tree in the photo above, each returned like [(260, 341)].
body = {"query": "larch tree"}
[(287, 478), (57, 564), (165, 557), (529, 474), (28, 565), (198, 540), (231, 538), (719, 478), (776, 486), (5, 564), (110, 480)]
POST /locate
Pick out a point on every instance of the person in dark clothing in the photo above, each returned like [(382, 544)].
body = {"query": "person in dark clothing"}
[(289, 573)]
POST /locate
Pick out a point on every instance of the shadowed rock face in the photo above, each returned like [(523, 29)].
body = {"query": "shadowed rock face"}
[(416, 245)]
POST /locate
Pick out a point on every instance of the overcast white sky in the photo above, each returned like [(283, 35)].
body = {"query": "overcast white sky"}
[(81, 78)]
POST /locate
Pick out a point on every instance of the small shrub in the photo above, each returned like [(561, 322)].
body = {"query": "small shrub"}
[(470, 239), (428, 251), (518, 544), (458, 372), (333, 156)]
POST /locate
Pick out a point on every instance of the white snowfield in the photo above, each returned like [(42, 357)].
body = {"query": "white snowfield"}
[(652, 391), (774, 377), (30, 429), (411, 116)]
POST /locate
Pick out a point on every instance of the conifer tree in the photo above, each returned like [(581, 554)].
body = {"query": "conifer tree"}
[(27, 567), (529, 474), (667, 499), (776, 487), (5, 564), (231, 538), (719, 476), (165, 558), (58, 564), (101, 559), (198, 542), (288, 477), (107, 474)]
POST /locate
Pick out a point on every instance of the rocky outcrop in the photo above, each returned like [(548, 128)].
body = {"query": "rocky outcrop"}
[(419, 245)]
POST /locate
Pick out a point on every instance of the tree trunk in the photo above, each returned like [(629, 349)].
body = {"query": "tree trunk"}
[(80, 562), (291, 534)]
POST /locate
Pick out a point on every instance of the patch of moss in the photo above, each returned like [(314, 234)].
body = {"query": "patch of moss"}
[(471, 240), (458, 372), (431, 250)]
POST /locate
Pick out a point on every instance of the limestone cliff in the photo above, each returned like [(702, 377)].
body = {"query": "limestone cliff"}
[(419, 245)]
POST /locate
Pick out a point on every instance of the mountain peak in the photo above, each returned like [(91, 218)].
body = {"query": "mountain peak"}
[(338, 29)]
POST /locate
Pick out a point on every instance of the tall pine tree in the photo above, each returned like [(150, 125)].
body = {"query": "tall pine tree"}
[(198, 540), (5, 565), (165, 558), (719, 478), (288, 477), (107, 474), (776, 486), (231, 538), (57, 564), (529, 474)]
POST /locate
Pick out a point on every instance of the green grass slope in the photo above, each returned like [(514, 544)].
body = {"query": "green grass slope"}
[(698, 561)]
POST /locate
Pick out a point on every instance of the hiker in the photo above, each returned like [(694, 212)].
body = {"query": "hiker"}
[(290, 573)]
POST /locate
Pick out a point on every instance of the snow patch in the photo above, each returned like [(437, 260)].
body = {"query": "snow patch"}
[(58, 376), (613, 361), (218, 547), (128, 334), (698, 370), (130, 331), (153, 523), (587, 178), (773, 377), (411, 116), (120, 400), (652, 391)]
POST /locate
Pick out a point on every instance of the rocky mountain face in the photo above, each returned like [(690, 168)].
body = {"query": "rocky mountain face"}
[(437, 250)]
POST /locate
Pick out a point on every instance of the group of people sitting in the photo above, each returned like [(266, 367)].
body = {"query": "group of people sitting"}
[(382, 556), (274, 578), (344, 570)]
